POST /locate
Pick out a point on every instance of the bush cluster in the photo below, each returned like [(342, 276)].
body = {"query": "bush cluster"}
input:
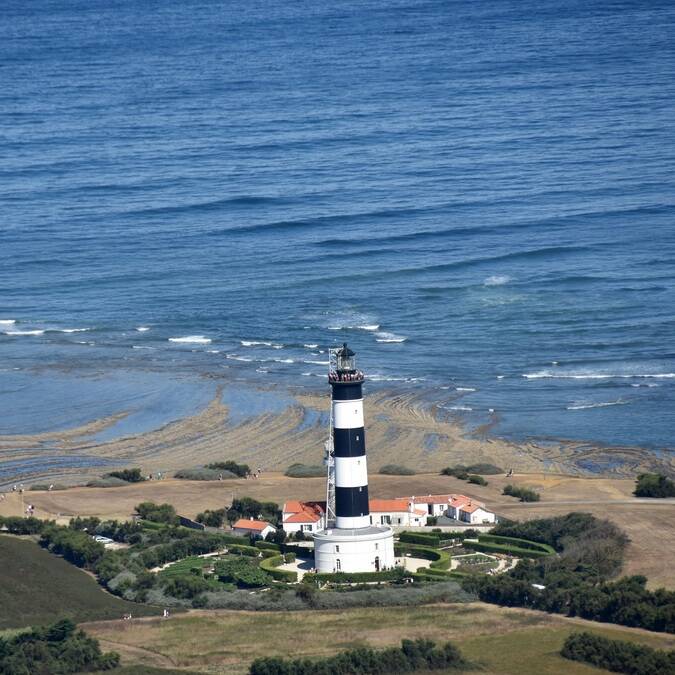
[(524, 494), (241, 572), (618, 656), (108, 482), (411, 656), (157, 513), (249, 508), (356, 577), (396, 470), (654, 485), (58, 648), (462, 471), (127, 475), (203, 473), (239, 470), (210, 518), (577, 581), (299, 470)]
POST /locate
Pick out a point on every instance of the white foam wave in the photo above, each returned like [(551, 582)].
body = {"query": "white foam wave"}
[(7, 322), (24, 332), (236, 357), (369, 326), (497, 280), (73, 330), (383, 336), (317, 363), (310, 346), (142, 347), (142, 329), (255, 343), (458, 408), (587, 406), (213, 351), (284, 361), (591, 375), (464, 389), (650, 385), (501, 377), (191, 339)]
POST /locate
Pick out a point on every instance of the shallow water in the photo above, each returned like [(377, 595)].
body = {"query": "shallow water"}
[(476, 195)]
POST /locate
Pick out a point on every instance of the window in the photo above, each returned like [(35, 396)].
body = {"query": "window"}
[(338, 565), (377, 546), (337, 548)]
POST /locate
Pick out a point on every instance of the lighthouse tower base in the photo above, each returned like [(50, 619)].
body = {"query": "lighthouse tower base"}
[(366, 549)]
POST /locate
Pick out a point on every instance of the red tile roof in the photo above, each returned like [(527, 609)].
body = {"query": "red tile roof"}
[(257, 525), (388, 505), (433, 499), (303, 517)]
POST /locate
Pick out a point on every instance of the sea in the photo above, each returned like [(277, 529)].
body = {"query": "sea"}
[(477, 195)]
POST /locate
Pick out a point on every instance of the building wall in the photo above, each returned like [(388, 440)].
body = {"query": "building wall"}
[(356, 555)]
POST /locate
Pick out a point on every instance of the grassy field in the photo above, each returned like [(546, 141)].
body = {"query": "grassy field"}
[(502, 641), (37, 587)]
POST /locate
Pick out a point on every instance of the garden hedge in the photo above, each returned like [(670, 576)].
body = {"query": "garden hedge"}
[(357, 577), (270, 566), (515, 541), (488, 547), (439, 559)]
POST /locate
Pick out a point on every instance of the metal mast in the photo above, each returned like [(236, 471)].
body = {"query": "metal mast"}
[(329, 458)]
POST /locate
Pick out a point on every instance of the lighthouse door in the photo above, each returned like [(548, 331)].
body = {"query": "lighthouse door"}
[(377, 563)]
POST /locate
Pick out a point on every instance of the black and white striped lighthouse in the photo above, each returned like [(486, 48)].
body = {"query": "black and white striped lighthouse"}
[(353, 543), (349, 443)]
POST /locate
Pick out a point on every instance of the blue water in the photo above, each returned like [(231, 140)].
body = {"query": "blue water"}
[(488, 183)]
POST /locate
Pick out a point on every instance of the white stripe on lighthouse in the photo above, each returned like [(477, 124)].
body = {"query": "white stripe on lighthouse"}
[(351, 471), (348, 414)]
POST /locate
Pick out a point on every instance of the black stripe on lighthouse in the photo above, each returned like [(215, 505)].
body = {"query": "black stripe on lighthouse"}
[(349, 442), (351, 502)]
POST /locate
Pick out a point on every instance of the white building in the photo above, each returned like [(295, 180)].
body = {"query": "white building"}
[(476, 514), (398, 512), (258, 528), (303, 516), (365, 549)]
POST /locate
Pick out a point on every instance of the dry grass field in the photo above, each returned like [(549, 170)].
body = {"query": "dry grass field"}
[(650, 523), (502, 641)]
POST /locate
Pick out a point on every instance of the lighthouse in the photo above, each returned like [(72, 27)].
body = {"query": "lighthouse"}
[(350, 542)]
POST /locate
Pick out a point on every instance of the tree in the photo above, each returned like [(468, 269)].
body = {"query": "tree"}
[(654, 485)]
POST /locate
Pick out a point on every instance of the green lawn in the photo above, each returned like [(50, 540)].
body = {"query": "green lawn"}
[(37, 587)]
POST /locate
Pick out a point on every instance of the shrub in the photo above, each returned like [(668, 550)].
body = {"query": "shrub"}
[(185, 586), (157, 513), (252, 508), (270, 565), (242, 573), (420, 538), (396, 470), (58, 648), (654, 485), (212, 518), (515, 541), (305, 471), (239, 470), (43, 487), (477, 480), (489, 547), (356, 577), (484, 469), (18, 525), (618, 656), (458, 471), (411, 656), (203, 473), (128, 475), (431, 520), (524, 494), (110, 481)]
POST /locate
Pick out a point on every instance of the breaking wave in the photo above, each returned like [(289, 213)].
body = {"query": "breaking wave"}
[(587, 406), (191, 339), (383, 336), (591, 375), (24, 332), (497, 280)]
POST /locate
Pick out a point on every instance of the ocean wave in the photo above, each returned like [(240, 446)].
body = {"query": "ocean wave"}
[(236, 357), (457, 408), (497, 280), (255, 343), (592, 375), (383, 336), (310, 346), (139, 347), (588, 406), (142, 329), (284, 360), (191, 339), (72, 330), (24, 332), (464, 389), (213, 351), (7, 322), (317, 363)]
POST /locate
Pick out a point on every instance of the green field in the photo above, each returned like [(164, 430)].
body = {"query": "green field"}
[(37, 587)]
